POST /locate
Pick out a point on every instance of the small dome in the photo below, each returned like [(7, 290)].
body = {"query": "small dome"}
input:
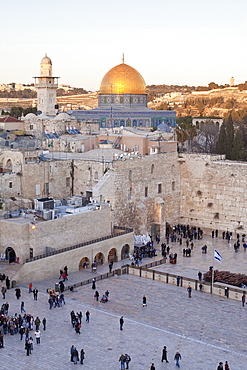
[(30, 115), (123, 79), (46, 60), (62, 116)]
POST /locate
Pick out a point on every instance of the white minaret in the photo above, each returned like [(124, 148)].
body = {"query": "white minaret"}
[(46, 87)]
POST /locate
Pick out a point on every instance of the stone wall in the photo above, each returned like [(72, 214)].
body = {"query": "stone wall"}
[(50, 266), (59, 233), (143, 191), (213, 193)]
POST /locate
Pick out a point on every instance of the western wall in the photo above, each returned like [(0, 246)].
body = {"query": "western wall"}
[(213, 193)]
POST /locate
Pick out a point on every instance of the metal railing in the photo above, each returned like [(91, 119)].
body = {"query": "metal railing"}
[(57, 251)]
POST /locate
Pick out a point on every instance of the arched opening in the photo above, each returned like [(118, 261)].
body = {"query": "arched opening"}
[(8, 167), (10, 255), (99, 258), (125, 251), (84, 263), (152, 168), (112, 256)]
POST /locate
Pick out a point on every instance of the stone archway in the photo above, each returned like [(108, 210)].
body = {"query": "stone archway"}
[(112, 255), (99, 258), (84, 263), (125, 251), (10, 254)]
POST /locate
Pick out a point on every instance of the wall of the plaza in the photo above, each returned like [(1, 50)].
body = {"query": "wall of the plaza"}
[(59, 233), (50, 266), (213, 193)]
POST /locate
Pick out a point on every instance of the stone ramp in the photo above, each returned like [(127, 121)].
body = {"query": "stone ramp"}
[(10, 269)]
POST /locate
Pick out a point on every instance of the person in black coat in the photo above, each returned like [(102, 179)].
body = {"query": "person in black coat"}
[(94, 284), (7, 283), (164, 355)]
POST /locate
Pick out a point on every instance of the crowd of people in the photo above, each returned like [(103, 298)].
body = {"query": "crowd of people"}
[(22, 325)]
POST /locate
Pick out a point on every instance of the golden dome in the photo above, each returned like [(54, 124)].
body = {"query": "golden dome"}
[(123, 79)]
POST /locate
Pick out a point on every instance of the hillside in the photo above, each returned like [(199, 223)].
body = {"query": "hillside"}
[(187, 101)]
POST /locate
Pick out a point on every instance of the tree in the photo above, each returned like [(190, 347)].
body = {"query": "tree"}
[(229, 137), (221, 142), (207, 137), (238, 147)]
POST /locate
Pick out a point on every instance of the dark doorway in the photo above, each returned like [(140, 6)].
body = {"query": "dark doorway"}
[(10, 254)]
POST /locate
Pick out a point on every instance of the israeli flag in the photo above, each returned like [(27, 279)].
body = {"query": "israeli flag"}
[(217, 256)]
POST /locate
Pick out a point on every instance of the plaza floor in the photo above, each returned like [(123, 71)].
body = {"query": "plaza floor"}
[(205, 329)]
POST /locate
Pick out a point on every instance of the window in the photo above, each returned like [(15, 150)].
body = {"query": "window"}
[(67, 182), (129, 193), (152, 168), (96, 175), (159, 188), (130, 175), (173, 185), (10, 185), (146, 192), (38, 189), (31, 127), (31, 252), (46, 187)]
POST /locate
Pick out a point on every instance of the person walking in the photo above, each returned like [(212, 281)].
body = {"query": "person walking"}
[(3, 290), (121, 321), (152, 367), (243, 300), (7, 281), (21, 332), (200, 275), (189, 290), (127, 360), (122, 362), (164, 355), (18, 292), (22, 307), (87, 316), (144, 301), (35, 294), (30, 287), (44, 323), (71, 352), (82, 355), (227, 366), (75, 356), (27, 347), (177, 357), (94, 284), (37, 336), (96, 295), (220, 366)]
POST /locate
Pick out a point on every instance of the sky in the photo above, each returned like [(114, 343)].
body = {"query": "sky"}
[(175, 42)]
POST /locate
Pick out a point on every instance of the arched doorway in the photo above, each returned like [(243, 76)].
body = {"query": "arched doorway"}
[(84, 263), (10, 255), (99, 258), (125, 251), (112, 256)]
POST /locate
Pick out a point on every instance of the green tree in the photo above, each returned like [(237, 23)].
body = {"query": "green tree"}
[(238, 147), (229, 137), (221, 142)]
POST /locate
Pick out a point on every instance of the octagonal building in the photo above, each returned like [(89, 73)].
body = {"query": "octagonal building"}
[(122, 101)]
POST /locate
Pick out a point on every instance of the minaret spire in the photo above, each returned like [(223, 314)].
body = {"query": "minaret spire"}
[(123, 58)]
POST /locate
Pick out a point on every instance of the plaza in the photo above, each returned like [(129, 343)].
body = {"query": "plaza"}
[(205, 329)]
